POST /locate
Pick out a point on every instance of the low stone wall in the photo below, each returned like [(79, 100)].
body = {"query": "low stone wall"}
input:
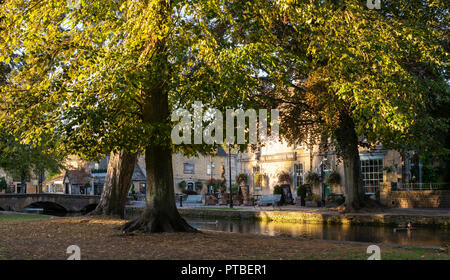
[(310, 217), (414, 199)]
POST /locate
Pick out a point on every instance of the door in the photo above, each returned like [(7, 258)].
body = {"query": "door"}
[(326, 190)]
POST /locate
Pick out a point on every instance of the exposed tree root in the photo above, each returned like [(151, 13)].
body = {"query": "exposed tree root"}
[(152, 223)]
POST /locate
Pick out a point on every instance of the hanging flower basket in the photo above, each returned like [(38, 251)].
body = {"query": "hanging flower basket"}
[(284, 177), (333, 178), (312, 178)]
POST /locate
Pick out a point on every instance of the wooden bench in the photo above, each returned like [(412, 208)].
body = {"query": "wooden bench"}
[(273, 199), (193, 199)]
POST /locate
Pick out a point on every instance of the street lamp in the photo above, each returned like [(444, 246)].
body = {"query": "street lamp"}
[(229, 163)]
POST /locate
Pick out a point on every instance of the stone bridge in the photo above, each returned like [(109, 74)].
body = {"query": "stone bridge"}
[(55, 202)]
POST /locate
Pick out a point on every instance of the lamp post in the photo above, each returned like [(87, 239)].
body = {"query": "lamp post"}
[(229, 170)]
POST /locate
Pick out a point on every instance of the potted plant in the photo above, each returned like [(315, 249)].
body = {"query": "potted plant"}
[(317, 199), (301, 192), (312, 178), (277, 190)]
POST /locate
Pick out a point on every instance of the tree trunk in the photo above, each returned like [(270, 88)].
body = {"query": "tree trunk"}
[(117, 184), (348, 148), (23, 183), (160, 213)]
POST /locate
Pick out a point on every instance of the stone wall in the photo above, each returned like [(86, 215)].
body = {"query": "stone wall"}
[(414, 199)]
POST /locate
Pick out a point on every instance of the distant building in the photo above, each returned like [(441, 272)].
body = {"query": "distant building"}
[(297, 160), (202, 168)]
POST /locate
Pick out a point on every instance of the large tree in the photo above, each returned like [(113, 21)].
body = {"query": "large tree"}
[(348, 76), (103, 76)]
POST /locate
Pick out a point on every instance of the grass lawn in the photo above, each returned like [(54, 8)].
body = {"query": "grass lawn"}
[(217, 208), (11, 218), (98, 238)]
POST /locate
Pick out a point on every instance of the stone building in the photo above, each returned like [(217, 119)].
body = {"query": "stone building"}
[(276, 157), (202, 168)]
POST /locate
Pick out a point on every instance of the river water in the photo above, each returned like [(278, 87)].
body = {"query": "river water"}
[(373, 234)]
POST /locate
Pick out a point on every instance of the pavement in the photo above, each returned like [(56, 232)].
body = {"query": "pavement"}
[(388, 211)]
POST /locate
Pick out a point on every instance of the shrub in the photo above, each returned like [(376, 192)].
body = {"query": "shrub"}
[(234, 188), (3, 184), (301, 191), (277, 190), (312, 178), (316, 198), (182, 185)]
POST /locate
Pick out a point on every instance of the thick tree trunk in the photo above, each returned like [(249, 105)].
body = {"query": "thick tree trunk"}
[(117, 184), (23, 183), (348, 147), (160, 213)]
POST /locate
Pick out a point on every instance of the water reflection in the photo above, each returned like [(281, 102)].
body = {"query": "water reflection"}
[(418, 236)]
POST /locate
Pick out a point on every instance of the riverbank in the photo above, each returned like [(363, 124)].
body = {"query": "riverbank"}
[(98, 238), (389, 217)]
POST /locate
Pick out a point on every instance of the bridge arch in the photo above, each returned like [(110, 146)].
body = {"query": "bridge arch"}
[(89, 208), (48, 206)]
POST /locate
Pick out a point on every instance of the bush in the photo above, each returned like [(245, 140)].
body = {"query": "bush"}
[(182, 185), (301, 191), (3, 184), (234, 188), (277, 190), (316, 198), (312, 178)]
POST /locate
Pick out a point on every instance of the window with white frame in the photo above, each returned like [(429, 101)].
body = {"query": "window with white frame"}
[(188, 168), (298, 175), (372, 174)]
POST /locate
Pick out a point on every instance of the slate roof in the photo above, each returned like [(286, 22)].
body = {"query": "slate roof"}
[(78, 177), (138, 176)]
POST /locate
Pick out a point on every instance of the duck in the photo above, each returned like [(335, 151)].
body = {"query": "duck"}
[(402, 227)]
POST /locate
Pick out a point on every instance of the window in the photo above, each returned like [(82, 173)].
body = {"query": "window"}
[(256, 170), (298, 175), (209, 167), (372, 174), (188, 168)]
